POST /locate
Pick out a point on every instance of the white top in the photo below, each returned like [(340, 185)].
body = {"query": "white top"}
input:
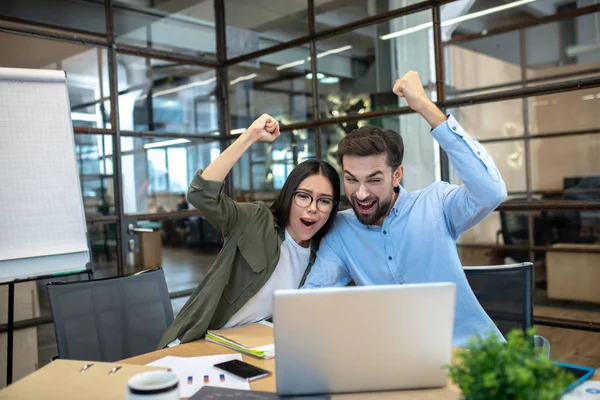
[(288, 273)]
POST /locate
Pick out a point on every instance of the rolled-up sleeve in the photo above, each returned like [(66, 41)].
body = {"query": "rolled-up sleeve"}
[(219, 210), (483, 190)]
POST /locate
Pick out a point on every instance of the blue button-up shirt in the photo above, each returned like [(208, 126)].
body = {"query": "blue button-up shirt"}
[(417, 241)]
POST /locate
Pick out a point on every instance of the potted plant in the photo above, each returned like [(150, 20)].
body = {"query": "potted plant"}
[(491, 369)]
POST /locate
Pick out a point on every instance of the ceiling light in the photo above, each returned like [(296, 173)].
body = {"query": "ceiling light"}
[(457, 20), (243, 78), (178, 88), (330, 80), (319, 55), (290, 65), (319, 75), (334, 51), (165, 143)]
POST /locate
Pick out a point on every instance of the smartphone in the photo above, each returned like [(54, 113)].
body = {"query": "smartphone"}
[(580, 373), (242, 369)]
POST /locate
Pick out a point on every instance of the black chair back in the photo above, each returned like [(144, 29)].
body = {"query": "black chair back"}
[(110, 319), (505, 292)]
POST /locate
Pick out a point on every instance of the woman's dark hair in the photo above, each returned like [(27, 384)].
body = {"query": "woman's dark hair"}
[(282, 205)]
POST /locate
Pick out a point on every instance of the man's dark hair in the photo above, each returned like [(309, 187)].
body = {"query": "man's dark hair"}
[(371, 140)]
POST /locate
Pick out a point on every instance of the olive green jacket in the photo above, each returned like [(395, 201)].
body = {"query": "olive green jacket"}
[(250, 253)]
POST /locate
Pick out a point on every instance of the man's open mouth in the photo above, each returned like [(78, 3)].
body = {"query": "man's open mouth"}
[(366, 206)]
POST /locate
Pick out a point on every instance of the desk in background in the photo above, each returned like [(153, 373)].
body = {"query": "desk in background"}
[(575, 275), (149, 255)]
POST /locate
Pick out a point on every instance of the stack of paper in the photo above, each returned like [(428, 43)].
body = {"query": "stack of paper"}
[(196, 372), (253, 339)]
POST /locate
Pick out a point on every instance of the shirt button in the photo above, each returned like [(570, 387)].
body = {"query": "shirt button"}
[(453, 128), (390, 258), (385, 232)]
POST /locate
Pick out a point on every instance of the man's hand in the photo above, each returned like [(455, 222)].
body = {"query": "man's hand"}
[(264, 129), (411, 88)]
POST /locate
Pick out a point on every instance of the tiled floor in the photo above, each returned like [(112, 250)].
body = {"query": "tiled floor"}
[(185, 268)]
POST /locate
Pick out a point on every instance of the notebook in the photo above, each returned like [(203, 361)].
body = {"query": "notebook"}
[(253, 339), (62, 379)]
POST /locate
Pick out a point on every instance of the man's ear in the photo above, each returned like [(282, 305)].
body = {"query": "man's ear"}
[(398, 174)]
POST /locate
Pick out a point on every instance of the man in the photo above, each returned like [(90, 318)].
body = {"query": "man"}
[(393, 236), (182, 204)]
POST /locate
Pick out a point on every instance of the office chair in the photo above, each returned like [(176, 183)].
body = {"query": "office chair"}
[(110, 319), (515, 231), (506, 293)]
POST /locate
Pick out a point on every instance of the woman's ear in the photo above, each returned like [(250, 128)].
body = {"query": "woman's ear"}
[(398, 174)]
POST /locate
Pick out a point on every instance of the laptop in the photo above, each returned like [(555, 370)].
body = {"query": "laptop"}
[(367, 338)]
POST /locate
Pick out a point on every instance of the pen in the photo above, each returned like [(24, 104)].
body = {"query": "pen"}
[(115, 369), (85, 367)]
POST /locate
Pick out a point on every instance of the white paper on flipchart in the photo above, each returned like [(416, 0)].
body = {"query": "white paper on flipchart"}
[(40, 197), (198, 367), (588, 390)]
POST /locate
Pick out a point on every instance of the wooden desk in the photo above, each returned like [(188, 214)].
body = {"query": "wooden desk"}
[(203, 348)]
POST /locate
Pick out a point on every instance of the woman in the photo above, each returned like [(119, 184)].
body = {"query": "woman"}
[(264, 249)]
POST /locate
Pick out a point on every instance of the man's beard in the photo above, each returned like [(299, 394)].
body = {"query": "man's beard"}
[(371, 219)]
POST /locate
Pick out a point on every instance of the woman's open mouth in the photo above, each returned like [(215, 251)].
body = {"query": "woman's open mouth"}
[(307, 222)]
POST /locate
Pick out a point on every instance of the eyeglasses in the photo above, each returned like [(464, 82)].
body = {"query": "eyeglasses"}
[(303, 199)]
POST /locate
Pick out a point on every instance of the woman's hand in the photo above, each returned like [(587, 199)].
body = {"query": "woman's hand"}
[(264, 129)]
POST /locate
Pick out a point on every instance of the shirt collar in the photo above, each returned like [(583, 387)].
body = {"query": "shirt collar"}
[(400, 200)]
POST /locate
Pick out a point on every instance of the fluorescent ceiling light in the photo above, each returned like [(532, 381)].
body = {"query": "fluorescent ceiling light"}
[(243, 78), (330, 79), (579, 49), (182, 87), (233, 131), (334, 51), (165, 143), (406, 31), (591, 97), (320, 55), (290, 65), (319, 75), (457, 20)]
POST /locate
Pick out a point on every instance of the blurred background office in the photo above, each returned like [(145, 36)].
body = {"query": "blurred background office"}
[(158, 88)]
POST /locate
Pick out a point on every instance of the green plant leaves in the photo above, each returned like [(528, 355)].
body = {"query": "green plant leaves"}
[(492, 369)]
